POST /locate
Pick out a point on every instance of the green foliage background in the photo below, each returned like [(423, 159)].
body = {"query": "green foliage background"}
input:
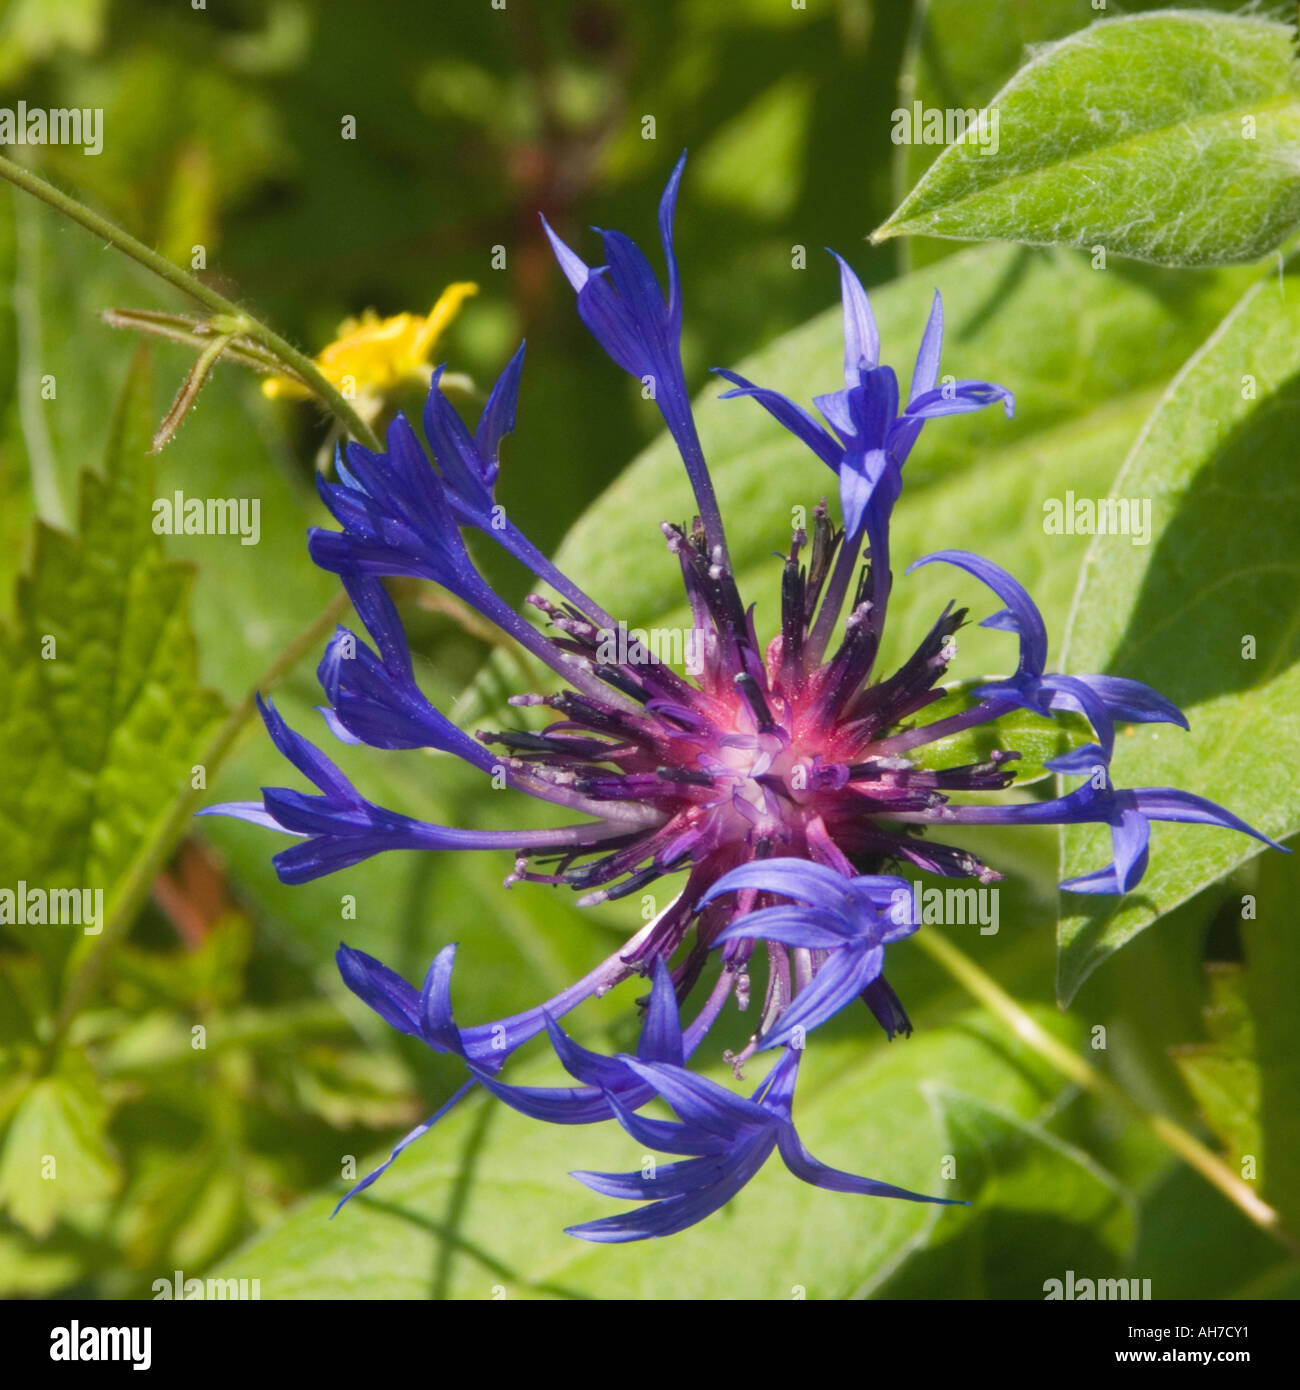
[(223, 128)]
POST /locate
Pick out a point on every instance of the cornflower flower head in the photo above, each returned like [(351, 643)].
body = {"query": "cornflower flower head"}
[(775, 782)]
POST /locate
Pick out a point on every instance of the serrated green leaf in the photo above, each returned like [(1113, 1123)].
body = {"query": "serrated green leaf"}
[(55, 1155), (100, 711), (1206, 613), (1169, 137), (481, 1202)]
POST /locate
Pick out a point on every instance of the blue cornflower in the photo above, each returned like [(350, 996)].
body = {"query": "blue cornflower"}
[(775, 780), (727, 1139)]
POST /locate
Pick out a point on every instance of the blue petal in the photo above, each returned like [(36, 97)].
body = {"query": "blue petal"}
[(1130, 835), (838, 982), (1133, 701), (860, 475), (699, 1101), (794, 417), (861, 336), (555, 1105), (813, 928), (925, 374), (1170, 804), (591, 1068), (575, 269), (816, 884), (960, 398), (395, 1000), (667, 210), (1099, 881), (1021, 615), (464, 471), (668, 1136), (803, 1165), (667, 1179), (305, 756), (677, 1213), (1079, 761), (418, 1132), (498, 418), (438, 1023), (336, 725), (377, 699), (661, 1033), (253, 811), (1075, 693)]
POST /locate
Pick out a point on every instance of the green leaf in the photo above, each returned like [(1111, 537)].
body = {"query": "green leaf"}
[(957, 56), (1040, 1206), (1206, 613), (1217, 1253), (55, 1156), (1077, 410), (1222, 1074), (1169, 137), (100, 711), (481, 1202), (1272, 987)]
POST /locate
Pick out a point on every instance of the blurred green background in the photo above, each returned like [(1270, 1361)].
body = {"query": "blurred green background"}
[(224, 128)]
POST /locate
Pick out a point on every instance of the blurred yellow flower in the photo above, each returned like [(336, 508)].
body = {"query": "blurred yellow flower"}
[(371, 359)]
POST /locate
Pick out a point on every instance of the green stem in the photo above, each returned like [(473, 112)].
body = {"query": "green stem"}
[(28, 327), (1083, 1073), (178, 328), (240, 321), (149, 864)]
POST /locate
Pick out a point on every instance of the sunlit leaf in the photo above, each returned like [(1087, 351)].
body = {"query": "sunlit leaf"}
[(1169, 137), (1206, 613)]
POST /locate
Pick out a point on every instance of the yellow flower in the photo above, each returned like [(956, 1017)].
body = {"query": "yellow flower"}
[(373, 358)]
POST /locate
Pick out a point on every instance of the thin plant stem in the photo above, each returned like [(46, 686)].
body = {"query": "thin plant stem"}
[(239, 320), (1190, 1149)]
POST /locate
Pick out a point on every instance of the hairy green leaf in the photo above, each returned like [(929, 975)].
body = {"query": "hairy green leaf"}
[(1170, 137), (1207, 613), (958, 55), (100, 710)]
